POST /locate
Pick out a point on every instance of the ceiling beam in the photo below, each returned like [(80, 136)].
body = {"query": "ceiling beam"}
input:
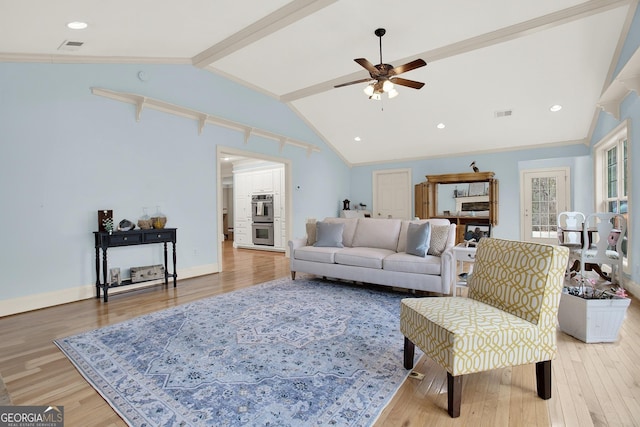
[(286, 15), (522, 29)]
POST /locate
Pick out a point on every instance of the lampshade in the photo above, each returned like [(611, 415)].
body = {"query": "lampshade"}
[(376, 96), (369, 89), (387, 86), (393, 93)]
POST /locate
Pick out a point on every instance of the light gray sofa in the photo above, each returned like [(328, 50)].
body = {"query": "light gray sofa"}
[(374, 252)]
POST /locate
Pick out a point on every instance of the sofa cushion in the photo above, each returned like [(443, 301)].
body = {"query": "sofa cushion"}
[(349, 228), (316, 254), (418, 237), (377, 233), (439, 238), (402, 239), (311, 233), (362, 257), (405, 263), (329, 235)]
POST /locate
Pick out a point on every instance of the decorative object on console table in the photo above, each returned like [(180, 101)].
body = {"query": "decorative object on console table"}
[(159, 219), (126, 225), (144, 222), (146, 273), (105, 220), (114, 277), (105, 240)]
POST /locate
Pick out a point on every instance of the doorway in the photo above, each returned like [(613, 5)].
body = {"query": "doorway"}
[(226, 157)]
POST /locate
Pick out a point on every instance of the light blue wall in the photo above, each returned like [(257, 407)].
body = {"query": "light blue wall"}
[(66, 153), (506, 165)]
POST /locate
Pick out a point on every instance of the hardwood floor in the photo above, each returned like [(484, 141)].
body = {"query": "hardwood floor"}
[(593, 384)]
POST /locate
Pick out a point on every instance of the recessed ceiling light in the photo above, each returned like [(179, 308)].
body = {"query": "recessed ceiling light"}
[(556, 107), (77, 25), (440, 126), (357, 139)]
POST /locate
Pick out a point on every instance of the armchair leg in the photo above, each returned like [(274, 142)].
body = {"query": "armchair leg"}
[(409, 351), (454, 395), (543, 379), (293, 275)]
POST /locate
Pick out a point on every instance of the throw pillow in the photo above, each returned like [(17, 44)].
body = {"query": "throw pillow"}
[(439, 237), (329, 235), (311, 233), (418, 239)]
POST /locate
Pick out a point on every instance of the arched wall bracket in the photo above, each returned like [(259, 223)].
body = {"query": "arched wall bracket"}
[(142, 102)]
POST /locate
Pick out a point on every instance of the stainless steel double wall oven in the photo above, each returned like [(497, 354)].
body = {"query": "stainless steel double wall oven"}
[(262, 217)]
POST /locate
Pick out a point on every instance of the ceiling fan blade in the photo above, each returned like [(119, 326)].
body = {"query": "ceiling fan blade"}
[(367, 66), (408, 67), (354, 82), (408, 83)]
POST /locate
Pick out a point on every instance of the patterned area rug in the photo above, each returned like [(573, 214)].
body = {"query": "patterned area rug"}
[(283, 353)]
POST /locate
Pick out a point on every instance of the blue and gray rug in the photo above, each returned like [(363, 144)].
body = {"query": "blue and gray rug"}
[(283, 353)]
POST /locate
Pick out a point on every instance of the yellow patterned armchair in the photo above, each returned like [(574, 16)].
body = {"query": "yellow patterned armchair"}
[(508, 319)]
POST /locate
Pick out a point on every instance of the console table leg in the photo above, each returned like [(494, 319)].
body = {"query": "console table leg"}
[(97, 272), (175, 273), (105, 286), (166, 270)]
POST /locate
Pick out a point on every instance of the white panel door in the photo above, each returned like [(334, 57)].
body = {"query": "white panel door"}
[(544, 193), (392, 194)]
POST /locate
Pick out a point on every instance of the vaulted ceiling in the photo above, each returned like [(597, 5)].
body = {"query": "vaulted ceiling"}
[(495, 67)]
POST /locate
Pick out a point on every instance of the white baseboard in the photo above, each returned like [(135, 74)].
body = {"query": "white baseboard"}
[(64, 296), (632, 288)]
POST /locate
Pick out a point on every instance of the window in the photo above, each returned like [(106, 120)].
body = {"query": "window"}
[(611, 157)]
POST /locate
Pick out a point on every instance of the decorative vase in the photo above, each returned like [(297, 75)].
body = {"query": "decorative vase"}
[(144, 222), (158, 219), (592, 320)]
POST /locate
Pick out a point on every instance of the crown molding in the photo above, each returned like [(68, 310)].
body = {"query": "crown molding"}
[(77, 59)]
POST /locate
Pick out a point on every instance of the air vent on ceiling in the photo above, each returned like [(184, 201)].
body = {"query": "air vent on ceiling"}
[(504, 113), (69, 45)]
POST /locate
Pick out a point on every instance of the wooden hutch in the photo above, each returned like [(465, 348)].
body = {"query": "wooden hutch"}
[(462, 212)]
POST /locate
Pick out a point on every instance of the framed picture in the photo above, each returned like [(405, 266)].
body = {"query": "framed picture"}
[(477, 189), (476, 231), (114, 274)]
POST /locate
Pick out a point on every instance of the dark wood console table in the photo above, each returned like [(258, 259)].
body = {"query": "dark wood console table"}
[(104, 240)]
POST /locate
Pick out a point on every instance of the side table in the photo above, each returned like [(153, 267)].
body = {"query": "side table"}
[(462, 254)]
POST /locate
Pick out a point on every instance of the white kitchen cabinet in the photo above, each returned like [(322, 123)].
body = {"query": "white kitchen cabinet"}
[(261, 181)]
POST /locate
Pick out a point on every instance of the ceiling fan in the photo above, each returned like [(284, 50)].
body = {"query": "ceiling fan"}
[(384, 75)]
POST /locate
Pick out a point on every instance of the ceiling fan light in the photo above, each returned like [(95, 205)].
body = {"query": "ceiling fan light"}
[(376, 96), (393, 93), (369, 90), (387, 86)]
